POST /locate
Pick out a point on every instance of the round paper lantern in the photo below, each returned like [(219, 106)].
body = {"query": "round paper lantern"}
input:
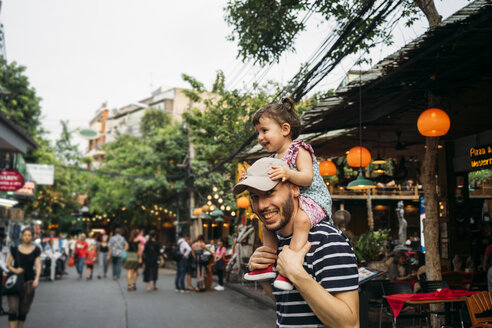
[(243, 202), (354, 157), (205, 208), (327, 168), (433, 122)]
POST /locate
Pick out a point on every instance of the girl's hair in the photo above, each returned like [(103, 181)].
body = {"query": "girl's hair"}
[(281, 113), (28, 229), (134, 234)]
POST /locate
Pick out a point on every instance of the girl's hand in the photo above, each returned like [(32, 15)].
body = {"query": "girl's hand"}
[(243, 175), (35, 283), (18, 270), (279, 172), (140, 260)]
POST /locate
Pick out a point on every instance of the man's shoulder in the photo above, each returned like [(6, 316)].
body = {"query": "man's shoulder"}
[(327, 232)]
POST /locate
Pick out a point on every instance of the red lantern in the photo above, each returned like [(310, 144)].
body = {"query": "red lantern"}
[(327, 168), (354, 157), (433, 122), (243, 202)]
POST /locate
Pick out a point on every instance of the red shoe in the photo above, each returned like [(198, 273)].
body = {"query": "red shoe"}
[(263, 274), (283, 283)]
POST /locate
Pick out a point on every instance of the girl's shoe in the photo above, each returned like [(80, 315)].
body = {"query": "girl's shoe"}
[(283, 283), (263, 274)]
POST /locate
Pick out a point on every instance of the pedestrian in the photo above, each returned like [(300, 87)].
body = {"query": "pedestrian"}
[(278, 126), (103, 258), (81, 248), (48, 250), (199, 247), (91, 258), (219, 264), (184, 251), (324, 271), (91, 240), (151, 255), (141, 238), (133, 259), (117, 245), (3, 267), (23, 259), (71, 245)]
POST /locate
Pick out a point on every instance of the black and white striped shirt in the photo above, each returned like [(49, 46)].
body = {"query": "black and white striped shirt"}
[(331, 262)]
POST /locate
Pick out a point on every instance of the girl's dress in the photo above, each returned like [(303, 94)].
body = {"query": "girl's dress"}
[(314, 199)]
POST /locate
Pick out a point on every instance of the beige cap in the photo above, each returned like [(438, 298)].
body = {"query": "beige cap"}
[(257, 175)]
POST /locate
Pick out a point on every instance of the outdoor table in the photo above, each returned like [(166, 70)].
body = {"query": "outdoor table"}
[(445, 295)]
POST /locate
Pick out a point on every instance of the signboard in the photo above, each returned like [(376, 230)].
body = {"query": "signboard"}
[(27, 189), (422, 220), (481, 157), (42, 174), (10, 180)]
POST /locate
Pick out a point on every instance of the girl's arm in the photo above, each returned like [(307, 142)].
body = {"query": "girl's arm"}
[(303, 177)]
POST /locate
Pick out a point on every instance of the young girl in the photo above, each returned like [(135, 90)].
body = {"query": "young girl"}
[(277, 126), (91, 257)]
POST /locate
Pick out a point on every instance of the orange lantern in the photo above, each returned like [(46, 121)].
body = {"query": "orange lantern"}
[(205, 208), (327, 168), (433, 122), (243, 202), (354, 158)]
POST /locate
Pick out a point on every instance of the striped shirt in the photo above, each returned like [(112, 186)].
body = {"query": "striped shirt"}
[(331, 262)]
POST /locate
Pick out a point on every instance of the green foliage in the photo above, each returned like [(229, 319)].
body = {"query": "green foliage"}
[(18, 100), (141, 172), (267, 29), (476, 178), (370, 246)]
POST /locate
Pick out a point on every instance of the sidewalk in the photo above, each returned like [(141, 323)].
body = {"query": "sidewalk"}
[(248, 289)]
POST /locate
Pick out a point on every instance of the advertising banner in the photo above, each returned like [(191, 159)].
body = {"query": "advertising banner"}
[(42, 174), (10, 180)]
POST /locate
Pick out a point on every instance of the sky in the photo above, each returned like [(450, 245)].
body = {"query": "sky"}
[(79, 54)]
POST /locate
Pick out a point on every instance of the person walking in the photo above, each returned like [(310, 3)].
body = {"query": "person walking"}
[(151, 257), (133, 259), (117, 244), (3, 263), (199, 247), (91, 258), (182, 264), (219, 264), (103, 258), (81, 247), (23, 259)]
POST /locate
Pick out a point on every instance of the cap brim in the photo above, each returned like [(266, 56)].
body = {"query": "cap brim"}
[(259, 183)]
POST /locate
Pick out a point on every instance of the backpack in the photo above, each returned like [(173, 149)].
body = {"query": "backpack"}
[(176, 253)]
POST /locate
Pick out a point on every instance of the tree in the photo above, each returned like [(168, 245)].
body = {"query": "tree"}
[(266, 29), (18, 100)]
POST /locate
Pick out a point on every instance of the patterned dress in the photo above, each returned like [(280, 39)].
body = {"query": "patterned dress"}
[(315, 199)]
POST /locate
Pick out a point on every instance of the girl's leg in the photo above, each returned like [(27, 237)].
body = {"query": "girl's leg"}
[(106, 264), (129, 278), (101, 264), (302, 225), (269, 238), (135, 275)]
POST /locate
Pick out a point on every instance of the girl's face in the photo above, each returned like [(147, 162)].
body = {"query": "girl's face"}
[(271, 136), (26, 237)]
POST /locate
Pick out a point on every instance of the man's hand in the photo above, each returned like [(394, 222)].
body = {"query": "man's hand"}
[(262, 258), (279, 172), (290, 262)]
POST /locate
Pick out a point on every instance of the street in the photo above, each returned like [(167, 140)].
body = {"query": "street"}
[(106, 303)]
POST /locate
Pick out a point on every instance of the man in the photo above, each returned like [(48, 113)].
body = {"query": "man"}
[(117, 244), (183, 245), (324, 272)]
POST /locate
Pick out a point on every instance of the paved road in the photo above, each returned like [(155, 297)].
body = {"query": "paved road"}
[(106, 303)]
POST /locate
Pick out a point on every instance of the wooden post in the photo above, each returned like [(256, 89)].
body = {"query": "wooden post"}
[(370, 218)]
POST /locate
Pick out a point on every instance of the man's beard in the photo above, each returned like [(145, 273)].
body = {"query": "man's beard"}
[(286, 211)]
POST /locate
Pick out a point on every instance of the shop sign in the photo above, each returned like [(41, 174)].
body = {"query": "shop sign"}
[(10, 180), (27, 189), (481, 157)]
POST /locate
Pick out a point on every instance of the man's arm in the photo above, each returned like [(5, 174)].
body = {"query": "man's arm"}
[(338, 310)]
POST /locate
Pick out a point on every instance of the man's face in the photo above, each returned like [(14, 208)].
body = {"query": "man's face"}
[(274, 207)]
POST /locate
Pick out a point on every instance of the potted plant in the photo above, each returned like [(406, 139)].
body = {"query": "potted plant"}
[(370, 248)]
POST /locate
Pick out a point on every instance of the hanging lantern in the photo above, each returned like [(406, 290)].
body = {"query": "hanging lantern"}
[(356, 159), (327, 168), (243, 202), (433, 122), (205, 208)]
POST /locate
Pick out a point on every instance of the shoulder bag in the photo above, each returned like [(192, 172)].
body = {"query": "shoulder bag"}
[(15, 282)]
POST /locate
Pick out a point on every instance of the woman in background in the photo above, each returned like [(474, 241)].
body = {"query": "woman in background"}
[(151, 255)]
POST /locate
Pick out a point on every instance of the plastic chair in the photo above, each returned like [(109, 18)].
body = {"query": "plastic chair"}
[(480, 309), (374, 292), (392, 288)]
